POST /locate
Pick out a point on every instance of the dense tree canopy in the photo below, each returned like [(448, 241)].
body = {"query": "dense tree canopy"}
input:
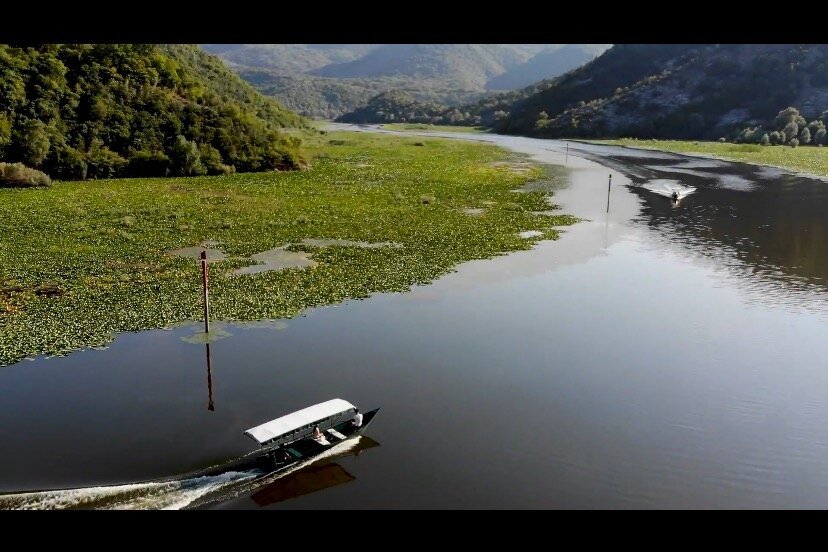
[(81, 111)]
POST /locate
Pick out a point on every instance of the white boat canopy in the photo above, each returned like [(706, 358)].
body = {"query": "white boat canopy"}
[(296, 420)]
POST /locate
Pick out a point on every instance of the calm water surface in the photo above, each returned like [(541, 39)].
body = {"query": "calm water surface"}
[(657, 356)]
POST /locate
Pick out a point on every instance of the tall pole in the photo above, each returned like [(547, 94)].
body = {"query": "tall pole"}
[(567, 153), (206, 291), (609, 185)]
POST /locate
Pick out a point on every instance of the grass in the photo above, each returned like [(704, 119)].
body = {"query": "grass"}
[(82, 260), (804, 159), (442, 128)]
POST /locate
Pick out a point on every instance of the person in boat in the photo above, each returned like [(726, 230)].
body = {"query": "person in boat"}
[(282, 455), (356, 421), (675, 195), (317, 435)]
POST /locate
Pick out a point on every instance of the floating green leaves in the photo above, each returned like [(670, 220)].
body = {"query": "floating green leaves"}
[(81, 261)]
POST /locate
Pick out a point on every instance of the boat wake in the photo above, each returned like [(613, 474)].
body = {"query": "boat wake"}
[(159, 495), (667, 188)]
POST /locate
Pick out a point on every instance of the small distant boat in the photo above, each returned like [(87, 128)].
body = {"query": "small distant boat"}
[(669, 188)]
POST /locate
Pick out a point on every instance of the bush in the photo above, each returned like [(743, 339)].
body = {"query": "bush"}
[(68, 164), (820, 137), (18, 175), (211, 159), (765, 139), (775, 138), (805, 136), (722, 139), (104, 163), (793, 143), (149, 163)]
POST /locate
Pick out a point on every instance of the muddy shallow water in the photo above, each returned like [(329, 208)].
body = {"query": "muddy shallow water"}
[(655, 356)]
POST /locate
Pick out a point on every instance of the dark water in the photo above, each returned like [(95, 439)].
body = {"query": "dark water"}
[(657, 356)]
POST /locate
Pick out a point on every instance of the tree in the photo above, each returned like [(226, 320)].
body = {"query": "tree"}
[(5, 131), (805, 136), (815, 125), (820, 136), (33, 142), (793, 143), (789, 115), (185, 157), (790, 131), (775, 138), (765, 139)]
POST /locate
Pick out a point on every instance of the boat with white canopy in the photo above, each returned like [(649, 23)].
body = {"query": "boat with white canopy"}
[(290, 439)]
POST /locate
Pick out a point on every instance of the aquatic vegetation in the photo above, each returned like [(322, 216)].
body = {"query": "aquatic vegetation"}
[(811, 160), (81, 261)]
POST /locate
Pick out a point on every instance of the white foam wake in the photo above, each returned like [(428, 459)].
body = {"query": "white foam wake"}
[(136, 496), (157, 495)]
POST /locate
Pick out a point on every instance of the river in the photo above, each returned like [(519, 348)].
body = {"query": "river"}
[(655, 356)]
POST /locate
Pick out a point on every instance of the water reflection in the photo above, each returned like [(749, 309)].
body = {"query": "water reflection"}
[(763, 225), (210, 406), (316, 477)]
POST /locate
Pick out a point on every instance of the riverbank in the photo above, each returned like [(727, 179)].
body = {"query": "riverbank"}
[(83, 260), (433, 128), (806, 160)]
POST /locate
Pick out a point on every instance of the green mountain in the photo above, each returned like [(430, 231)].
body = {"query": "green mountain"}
[(95, 111), (399, 106), (323, 80), (676, 91)]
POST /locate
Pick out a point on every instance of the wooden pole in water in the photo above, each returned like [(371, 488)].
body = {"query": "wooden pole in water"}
[(609, 185), (206, 291), (567, 153)]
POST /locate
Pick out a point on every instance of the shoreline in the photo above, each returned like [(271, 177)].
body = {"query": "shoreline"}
[(699, 155)]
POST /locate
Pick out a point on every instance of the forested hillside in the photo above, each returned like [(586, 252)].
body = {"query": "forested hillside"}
[(677, 91), (97, 111), (402, 107)]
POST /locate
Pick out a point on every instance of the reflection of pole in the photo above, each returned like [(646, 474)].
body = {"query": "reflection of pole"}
[(609, 185), (210, 406), (206, 288)]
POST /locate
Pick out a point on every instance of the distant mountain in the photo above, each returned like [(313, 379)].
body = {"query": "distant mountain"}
[(676, 91), (288, 59), (81, 111), (322, 80), (471, 65), (546, 64)]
